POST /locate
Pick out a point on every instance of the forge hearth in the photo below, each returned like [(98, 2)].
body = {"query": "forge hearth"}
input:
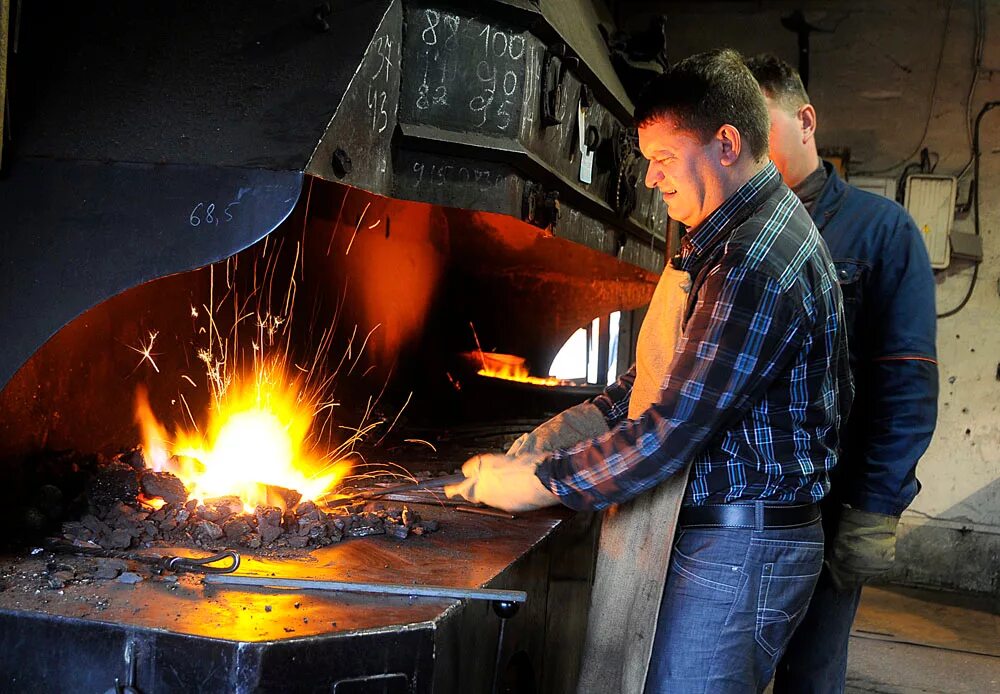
[(123, 505), (68, 621), (129, 505), (187, 636)]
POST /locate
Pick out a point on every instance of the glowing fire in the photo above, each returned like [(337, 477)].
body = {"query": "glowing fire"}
[(511, 368), (257, 437)]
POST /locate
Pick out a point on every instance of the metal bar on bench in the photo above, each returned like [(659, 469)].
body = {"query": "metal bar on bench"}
[(380, 588)]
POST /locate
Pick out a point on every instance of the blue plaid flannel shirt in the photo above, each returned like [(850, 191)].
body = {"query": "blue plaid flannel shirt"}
[(760, 379)]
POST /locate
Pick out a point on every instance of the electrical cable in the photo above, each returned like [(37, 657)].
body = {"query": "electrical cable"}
[(930, 108), (901, 181), (923, 166), (987, 107), (968, 294), (977, 63)]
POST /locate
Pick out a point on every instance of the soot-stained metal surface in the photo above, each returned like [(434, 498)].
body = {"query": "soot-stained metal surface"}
[(116, 233), (498, 112), (185, 635), (416, 163), (412, 275), (155, 138)]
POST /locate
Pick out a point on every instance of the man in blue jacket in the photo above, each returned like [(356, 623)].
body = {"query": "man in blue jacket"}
[(888, 289)]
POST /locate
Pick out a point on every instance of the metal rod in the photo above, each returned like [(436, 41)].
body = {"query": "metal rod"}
[(406, 498), (486, 512), (364, 495), (381, 588), (496, 661), (435, 483)]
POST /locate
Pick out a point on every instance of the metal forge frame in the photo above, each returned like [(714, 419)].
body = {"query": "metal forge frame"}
[(237, 109), (188, 636)]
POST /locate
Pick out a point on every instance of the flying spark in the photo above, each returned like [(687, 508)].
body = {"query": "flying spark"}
[(146, 350)]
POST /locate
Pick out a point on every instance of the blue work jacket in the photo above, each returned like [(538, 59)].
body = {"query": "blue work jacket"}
[(888, 288)]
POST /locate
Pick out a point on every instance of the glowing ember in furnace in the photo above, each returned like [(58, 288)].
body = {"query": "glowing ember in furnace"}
[(521, 376), (155, 503), (257, 438), (269, 433), (510, 367)]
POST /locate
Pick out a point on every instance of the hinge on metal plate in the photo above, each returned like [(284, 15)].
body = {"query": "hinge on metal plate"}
[(621, 240), (540, 207), (554, 67), (625, 179)]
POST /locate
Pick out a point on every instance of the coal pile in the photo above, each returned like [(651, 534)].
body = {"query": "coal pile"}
[(122, 514)]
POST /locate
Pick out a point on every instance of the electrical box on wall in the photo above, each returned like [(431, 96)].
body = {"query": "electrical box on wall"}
[(930, 200), (886, 187)]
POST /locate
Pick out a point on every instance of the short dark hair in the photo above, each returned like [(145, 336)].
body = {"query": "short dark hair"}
[(706, 91), (779, 80)]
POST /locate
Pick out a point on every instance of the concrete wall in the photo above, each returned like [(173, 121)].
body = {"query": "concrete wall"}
[(878, 90)]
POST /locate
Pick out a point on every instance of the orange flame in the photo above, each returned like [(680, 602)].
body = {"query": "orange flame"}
[(510, 368), (257, 436)]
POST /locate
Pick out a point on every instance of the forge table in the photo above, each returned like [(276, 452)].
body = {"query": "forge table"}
[(177, 634)]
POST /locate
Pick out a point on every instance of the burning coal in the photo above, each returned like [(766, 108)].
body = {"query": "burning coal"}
[(132, 506), (256, 438)]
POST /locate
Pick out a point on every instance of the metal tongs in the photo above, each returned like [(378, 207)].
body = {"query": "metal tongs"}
[(166, 562), (366, 494), (201, 565)]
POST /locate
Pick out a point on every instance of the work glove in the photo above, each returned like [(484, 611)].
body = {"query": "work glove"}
[(568, 428), (864, 547), (505, 482)]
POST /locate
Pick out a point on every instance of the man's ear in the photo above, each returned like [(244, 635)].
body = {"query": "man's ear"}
[(807, 121), (731, 144)]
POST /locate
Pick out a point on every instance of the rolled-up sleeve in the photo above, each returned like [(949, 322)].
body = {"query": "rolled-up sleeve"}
[(614, 401)]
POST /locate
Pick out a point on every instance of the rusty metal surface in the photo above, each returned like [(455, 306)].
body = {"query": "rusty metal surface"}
[(468, 551)]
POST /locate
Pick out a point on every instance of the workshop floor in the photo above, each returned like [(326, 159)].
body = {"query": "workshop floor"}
[(908, 641)]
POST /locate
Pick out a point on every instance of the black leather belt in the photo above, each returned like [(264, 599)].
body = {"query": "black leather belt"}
[(757, 516)]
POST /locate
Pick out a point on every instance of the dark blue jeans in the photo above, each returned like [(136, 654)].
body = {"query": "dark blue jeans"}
[(732, 600), (815, 661)]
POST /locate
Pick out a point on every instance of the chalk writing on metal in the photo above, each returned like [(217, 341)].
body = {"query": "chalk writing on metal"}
[(208, 213), (377, 95), (439, 175)]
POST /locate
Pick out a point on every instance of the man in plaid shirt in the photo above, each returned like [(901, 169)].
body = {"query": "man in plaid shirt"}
[(752, 400), (756, 387)]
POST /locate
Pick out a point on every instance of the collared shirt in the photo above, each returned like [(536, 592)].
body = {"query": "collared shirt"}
[(759, 381)]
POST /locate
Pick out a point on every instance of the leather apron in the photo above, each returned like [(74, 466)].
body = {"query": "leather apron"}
[(636, 537)]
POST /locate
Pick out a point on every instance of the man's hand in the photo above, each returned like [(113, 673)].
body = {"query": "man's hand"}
[(865, 547), (568, 428), (505, 482)]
